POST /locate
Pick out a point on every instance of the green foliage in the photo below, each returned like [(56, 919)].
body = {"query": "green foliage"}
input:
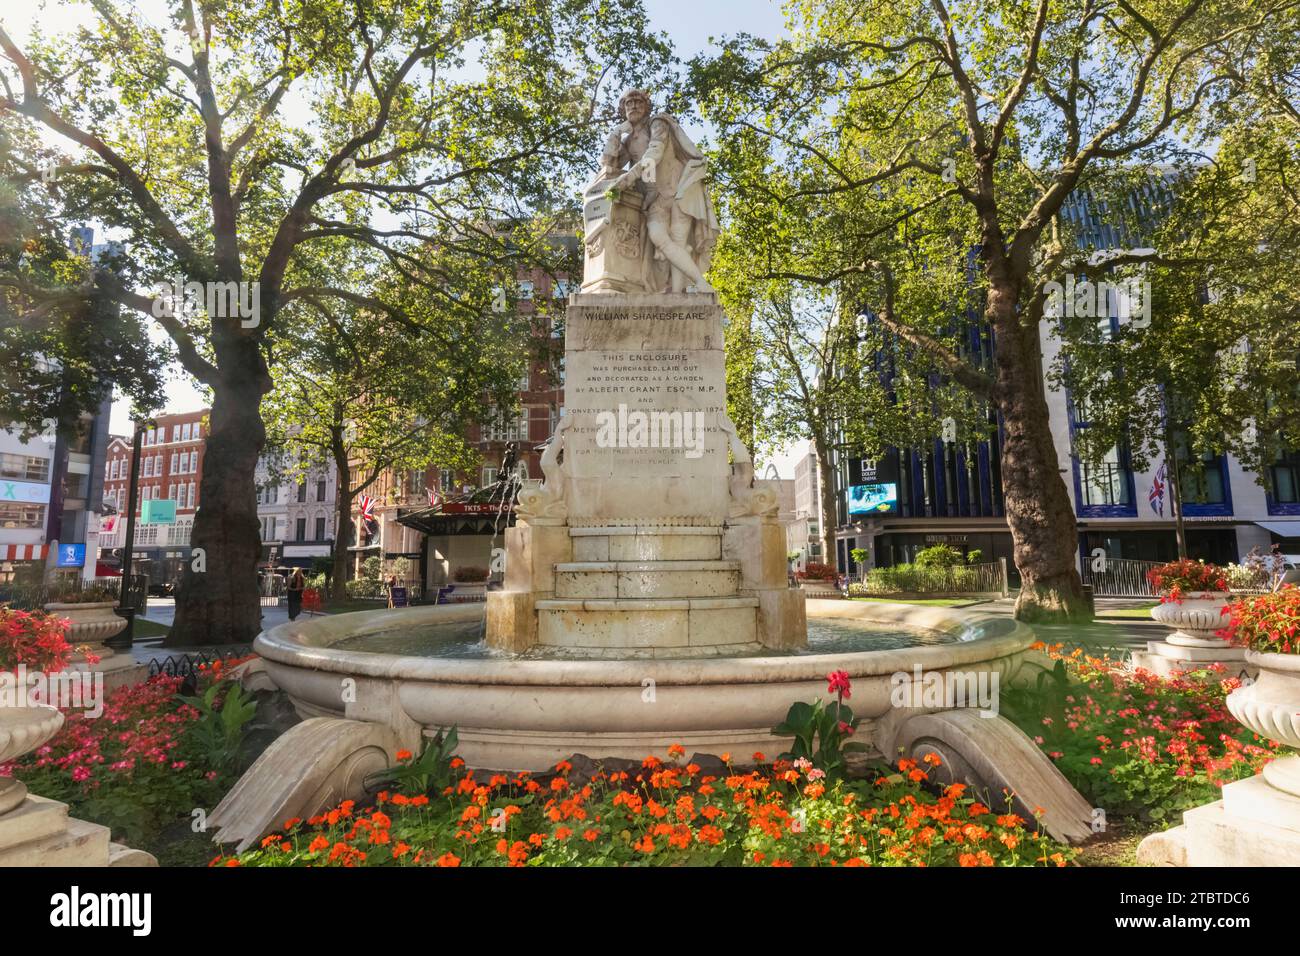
[(217, 738), (916, 579), (938, 556), (428, 773), (817, 735)]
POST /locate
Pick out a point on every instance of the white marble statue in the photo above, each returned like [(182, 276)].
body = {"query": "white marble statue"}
[(650, 153)]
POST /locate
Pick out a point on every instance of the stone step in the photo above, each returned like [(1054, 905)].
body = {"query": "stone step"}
[(646, 579), (627, 543), (34, 819), (80, 844), (683, 625)]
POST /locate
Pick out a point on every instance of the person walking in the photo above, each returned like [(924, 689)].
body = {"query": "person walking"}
[(297, 584)]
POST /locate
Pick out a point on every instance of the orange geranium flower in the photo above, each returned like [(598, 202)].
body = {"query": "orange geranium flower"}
[(449, 859)]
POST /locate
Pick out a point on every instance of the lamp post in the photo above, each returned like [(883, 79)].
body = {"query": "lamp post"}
[(124, 607)]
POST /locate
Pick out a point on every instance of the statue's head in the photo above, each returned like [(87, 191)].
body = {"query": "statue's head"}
[(634, 105)]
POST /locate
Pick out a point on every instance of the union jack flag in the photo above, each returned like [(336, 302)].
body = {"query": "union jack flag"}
[(1156, 497), (366, 507)]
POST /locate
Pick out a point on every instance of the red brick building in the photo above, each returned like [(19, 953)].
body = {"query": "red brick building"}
[(171, 466)]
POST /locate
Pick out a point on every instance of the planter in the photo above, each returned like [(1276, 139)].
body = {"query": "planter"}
[(90, 624), (819, 587), (467, 591), (1193, 621), (22, 730), (1271, 708)]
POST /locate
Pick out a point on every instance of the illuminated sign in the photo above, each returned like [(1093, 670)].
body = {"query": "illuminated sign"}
[(873, 499)]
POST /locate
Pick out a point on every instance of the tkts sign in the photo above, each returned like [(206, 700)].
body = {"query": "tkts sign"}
[(471, 508)]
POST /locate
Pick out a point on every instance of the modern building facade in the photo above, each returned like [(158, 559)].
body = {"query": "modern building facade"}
[(951, 493)]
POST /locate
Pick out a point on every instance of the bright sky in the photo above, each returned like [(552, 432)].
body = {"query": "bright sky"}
[(691, 24)]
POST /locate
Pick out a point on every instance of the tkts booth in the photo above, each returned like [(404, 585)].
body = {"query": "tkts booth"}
[(459, 537)]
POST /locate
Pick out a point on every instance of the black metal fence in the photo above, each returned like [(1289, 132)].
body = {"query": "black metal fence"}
[(34, 597), (187, 665)]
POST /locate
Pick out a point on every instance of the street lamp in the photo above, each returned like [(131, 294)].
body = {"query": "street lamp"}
[(124, 608)]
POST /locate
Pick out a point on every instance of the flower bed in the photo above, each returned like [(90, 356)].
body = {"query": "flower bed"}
[(148, 759), (666, 814), (34, 640), (1137, 745), (1266, 624), (1178, 579)]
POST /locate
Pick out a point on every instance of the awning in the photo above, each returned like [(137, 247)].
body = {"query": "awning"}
[(433, 521), (1282, 527), (24, 552)]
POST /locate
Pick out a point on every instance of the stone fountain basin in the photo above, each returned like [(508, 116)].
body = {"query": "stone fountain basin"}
[(527, 714)]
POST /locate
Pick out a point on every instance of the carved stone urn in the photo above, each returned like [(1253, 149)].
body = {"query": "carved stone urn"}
[(1271, 708), (1194, 620), (22, 730), (91, 624)]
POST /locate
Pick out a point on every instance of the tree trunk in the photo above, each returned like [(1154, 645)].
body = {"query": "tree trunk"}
[(827, 518), (1044, 535), (342, 531), (218, 598)]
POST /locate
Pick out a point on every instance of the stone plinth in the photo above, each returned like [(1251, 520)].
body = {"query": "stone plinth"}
[(1167, 659), (649, 537), (644, 391)]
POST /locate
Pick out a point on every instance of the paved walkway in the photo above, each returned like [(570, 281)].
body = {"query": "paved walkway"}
[(162, 610)]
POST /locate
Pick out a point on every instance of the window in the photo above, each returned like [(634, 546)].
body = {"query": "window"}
[(445, 480), (171, 492), (176, 433), (560, 290), (172, 465), (320, 489), (489, 476), (1285, 477), (320, 528), (194, 462), (24, 467), (21, 515), (525, 380), (525, 291), (507, 428), (148, 467), (190, 495), (1105, 483), (1201, 476), (302, 491), (300, 530)]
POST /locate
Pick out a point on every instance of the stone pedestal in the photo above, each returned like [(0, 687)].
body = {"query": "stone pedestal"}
[(1167, 659), (38, 832), (1257, 823), (648, 537), (1192, 643)]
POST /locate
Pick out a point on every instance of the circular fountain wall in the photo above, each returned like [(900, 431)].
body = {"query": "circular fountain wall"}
[(525, 712)]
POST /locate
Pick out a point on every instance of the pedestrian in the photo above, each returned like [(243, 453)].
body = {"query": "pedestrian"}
[(297, 583), (392, 583)]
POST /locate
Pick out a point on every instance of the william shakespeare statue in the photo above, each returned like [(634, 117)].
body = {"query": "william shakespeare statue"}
[(650, 225)]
